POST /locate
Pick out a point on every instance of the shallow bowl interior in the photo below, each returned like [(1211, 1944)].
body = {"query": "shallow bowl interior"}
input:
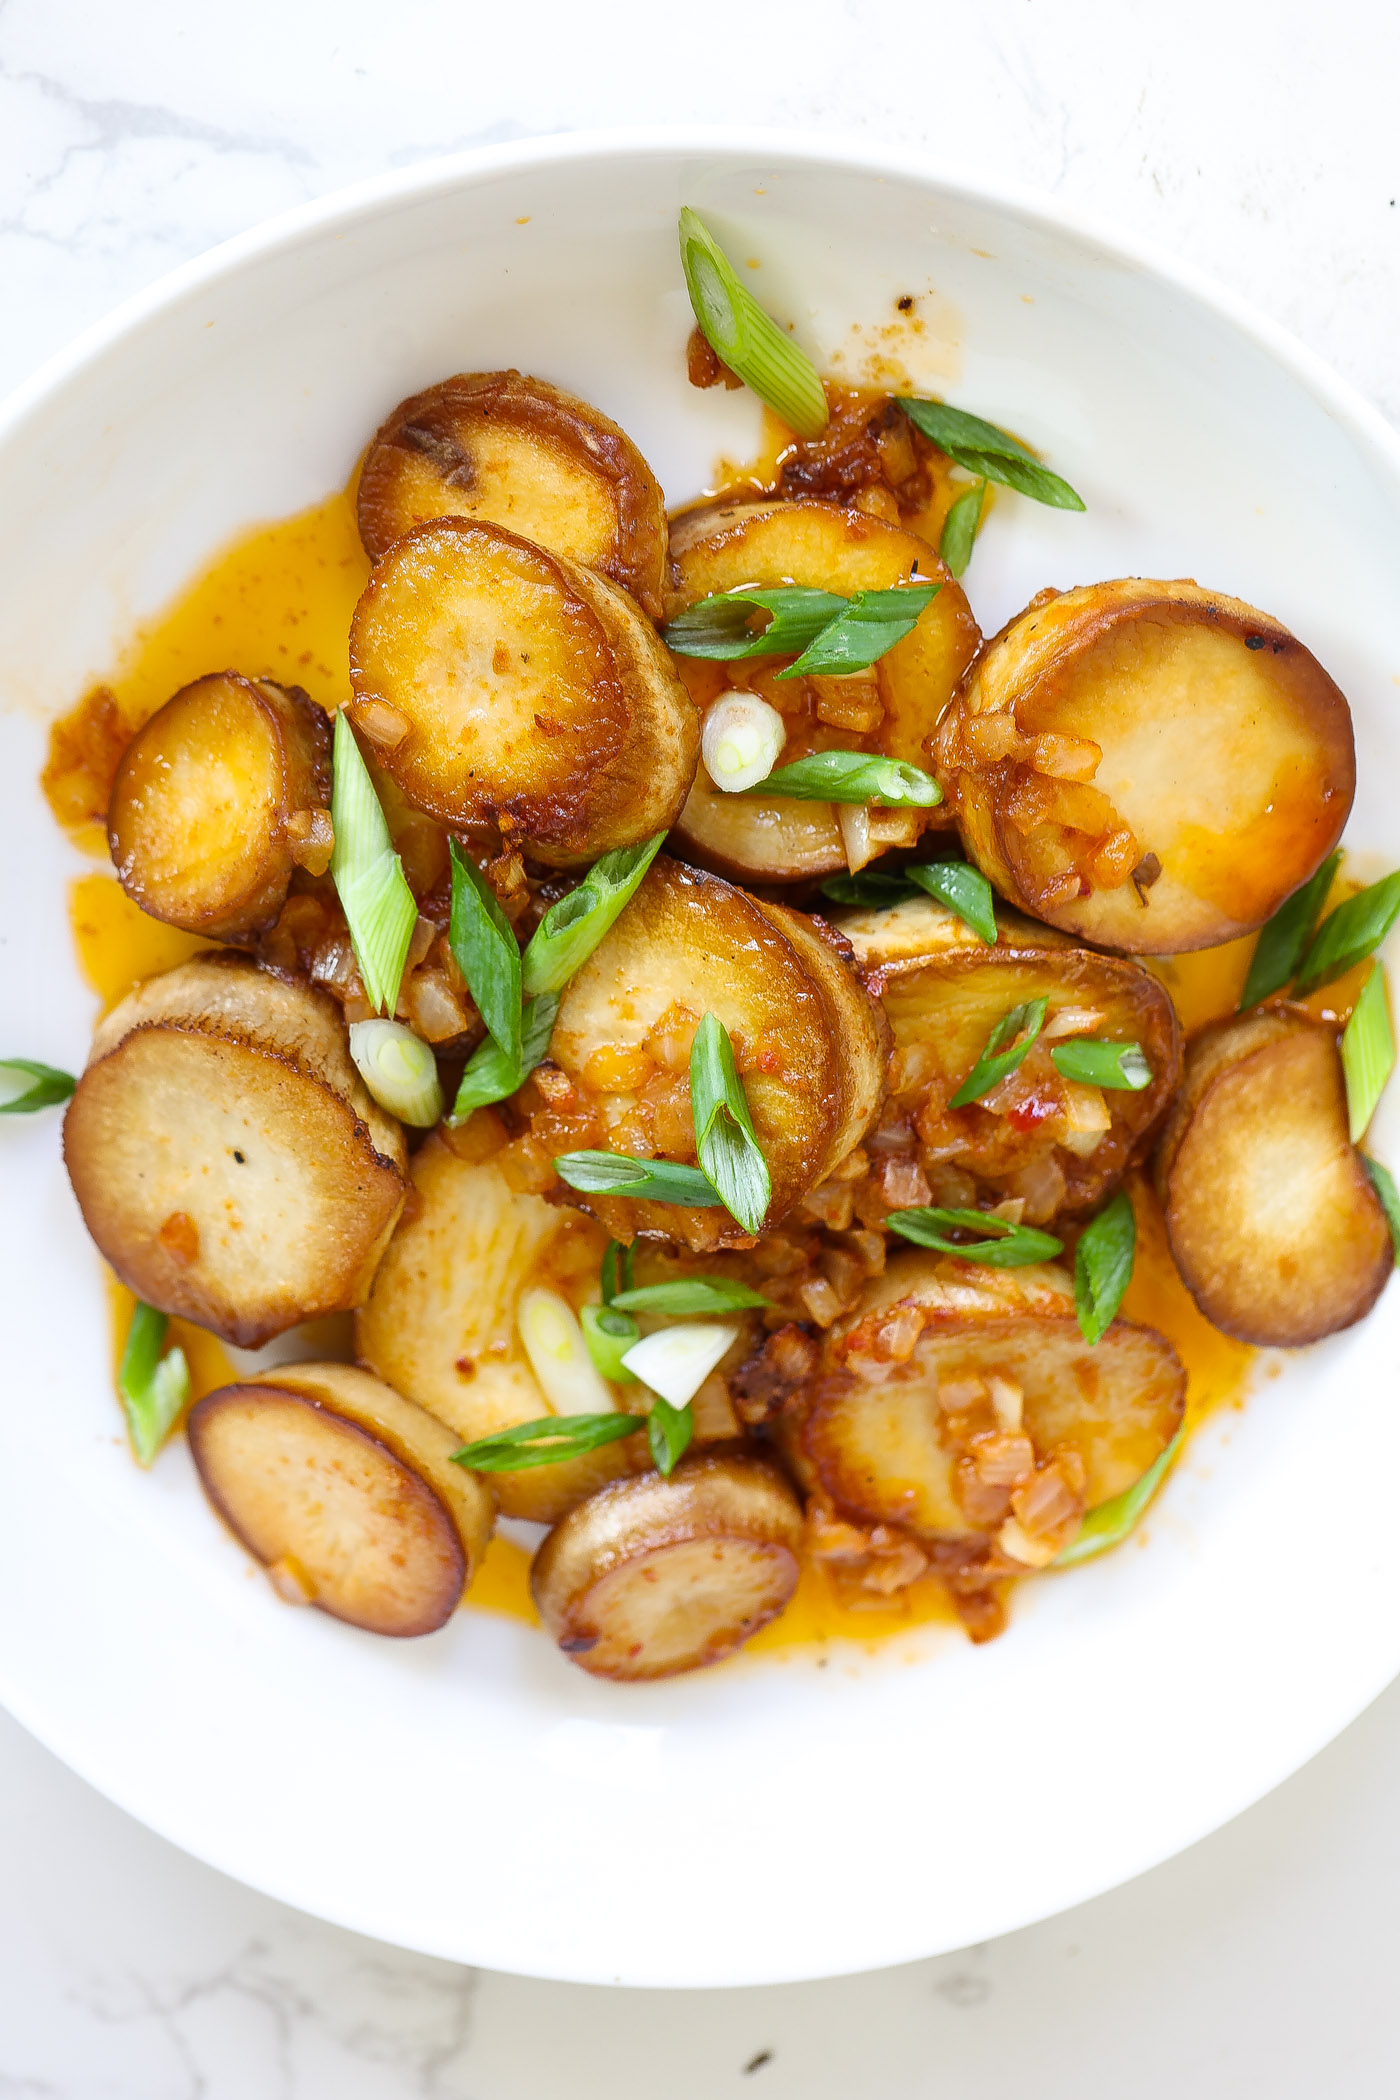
[(471, 1795)]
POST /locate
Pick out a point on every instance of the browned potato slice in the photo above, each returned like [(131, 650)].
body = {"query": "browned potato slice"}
[(1273, 1222), (892, 708), (1053, 1144), (518, 453), (506, 686), (964, 1400), (345, 1492), (655, 1576), (439, 1322), (1152, 766), (689, 944), (225, 1154), (217, 799)]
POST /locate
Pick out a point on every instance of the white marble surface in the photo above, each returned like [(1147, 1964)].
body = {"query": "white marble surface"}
[(1259, 139)]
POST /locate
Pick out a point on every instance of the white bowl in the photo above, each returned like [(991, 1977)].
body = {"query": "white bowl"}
[(472, 1795)]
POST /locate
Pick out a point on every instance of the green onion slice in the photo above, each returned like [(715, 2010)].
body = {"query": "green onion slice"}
[(965, 891), (609, 1335), (722, 628), (486, 952), (1103, 1266), (546, 1442), (1282, 943), (152, 1388), (399, 1069), (868, 628), (744, 337), (489, 1075), (1368, 1053), (1383, 1182), (47, 1086), (725, 1140), (571, 929), (1094, 1062), (960, 528), (669, 1430), (368, 874), (984, 449), (1012, 1247), (1109, 1524), (871, 886), (618, 1262), (996, 1062), (656, 1180), (688, 1296), (1350, 933), (852, 776)]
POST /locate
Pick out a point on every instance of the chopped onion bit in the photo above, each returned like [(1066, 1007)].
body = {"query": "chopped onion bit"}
[(676, 1361), (559, 1355), (400, 1071), (742, 741)]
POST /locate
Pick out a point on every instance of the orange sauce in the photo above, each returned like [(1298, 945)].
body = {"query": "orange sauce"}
[(277, 603)]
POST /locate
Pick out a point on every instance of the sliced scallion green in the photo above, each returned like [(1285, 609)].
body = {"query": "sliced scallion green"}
[(46, 1086), (1002, 1245), (689, 1297), (489, 1075), (1103, 1266), (652, 1180), (152, 1388), (746, 338), (1283, 942), (618, 1262), (669, 1431), (984, 449), (1019, 1028), (1350, 933), (722, 626), (368, 874), (1110, 1522), (725, 1141), (486, 952), (1383, 1181), (867, 629), (571, 929), (1092, 1062), (960, 528), (964, 889), (852, 776), (547, 1442), (609, 1335), (871, 886), (1368, 1053), (400, 1071)]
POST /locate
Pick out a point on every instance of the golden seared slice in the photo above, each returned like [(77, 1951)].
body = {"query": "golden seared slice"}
[(1149, 765), (440, 1320), (345, 1492), (1048, 1141), (225, 1154), (963, 1404), (518, 453), (503, 685), (805, 1044), (1274, 1224), (892, 708), (217, 799), (655, 1576)]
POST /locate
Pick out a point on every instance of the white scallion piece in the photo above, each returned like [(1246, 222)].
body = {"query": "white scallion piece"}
[(742, 741), (400, 1071), (559, 1357), (676, 1361)]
